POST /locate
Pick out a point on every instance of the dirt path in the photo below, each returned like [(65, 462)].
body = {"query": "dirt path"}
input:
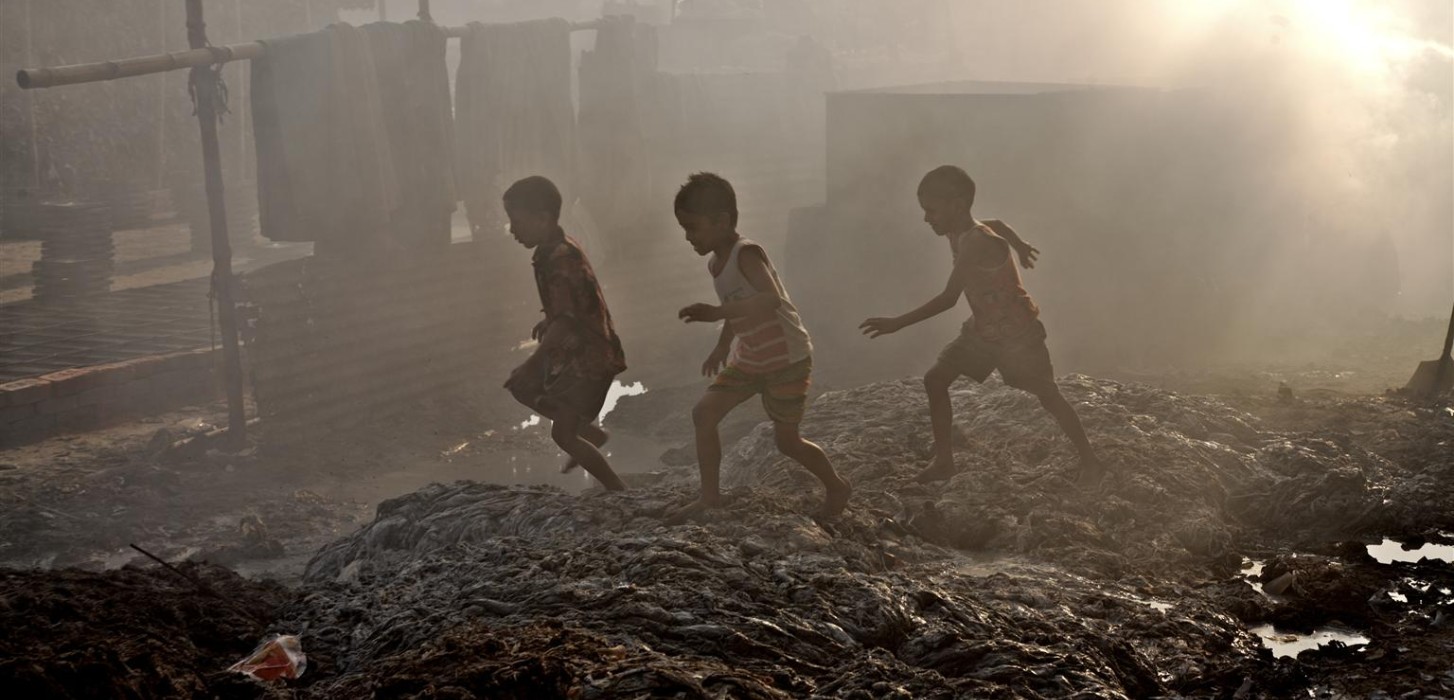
[(79, 500)]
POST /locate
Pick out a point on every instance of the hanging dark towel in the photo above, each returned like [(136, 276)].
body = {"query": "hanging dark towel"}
[(617, 79), (513, 113), (324, 169), (414, 90)]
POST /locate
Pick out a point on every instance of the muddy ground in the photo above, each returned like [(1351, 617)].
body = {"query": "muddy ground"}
[(1004, 582)]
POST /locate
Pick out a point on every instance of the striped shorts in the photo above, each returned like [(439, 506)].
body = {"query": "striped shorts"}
[(784, 392)]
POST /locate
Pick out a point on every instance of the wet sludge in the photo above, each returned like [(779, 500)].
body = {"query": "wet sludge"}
[(1002, 582)]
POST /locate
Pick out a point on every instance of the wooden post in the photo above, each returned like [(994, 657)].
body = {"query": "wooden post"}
[(204, 81), (161, 182), (30, 109), (242, 88), (424, 11), (383, 10)]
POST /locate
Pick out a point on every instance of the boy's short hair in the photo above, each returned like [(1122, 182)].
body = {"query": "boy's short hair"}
[(707, 193), (534, 193), (948, 180)]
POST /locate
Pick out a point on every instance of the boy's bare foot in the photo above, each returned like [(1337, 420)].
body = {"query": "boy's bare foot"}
[(571, 464), (685, 513), (1092, 471), (938, 471), (836, 499)]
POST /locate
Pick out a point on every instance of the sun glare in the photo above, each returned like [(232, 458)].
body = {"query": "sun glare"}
[(1366, 36)]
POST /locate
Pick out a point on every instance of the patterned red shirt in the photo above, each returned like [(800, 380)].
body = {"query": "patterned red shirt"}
[(570, 293), (1002, 309)]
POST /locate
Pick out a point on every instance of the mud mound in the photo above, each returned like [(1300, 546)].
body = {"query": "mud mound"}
[(1002, 582), (1190, 475), (758, 598), (129, 633)]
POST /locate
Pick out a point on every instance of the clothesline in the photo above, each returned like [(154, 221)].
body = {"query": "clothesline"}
[(30, 78)]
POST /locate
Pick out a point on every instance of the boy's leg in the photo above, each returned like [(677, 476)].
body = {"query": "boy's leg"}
[(1091, 469), (1026, 365), (594, 434), (709, 411), (941, 421), (791, 443), (565, 429)]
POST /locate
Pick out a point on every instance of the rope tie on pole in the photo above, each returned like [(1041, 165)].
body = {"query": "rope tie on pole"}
[(219, 95)]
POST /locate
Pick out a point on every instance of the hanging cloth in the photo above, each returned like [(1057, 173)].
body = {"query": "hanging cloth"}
[(413, 85), (324, 168), (513, 113)]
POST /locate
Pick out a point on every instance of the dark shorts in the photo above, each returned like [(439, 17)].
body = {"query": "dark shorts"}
[(784, 392), (561, 394), (1023, 362)]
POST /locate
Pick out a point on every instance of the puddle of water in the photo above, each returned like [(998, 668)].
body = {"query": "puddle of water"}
[(1251, 572), (613, 395), (617, 391), (1289, 644), (1390, 551)]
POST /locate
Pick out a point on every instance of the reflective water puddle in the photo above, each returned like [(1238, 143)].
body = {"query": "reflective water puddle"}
[(614, 395), (1289, 644), (1389, 551)]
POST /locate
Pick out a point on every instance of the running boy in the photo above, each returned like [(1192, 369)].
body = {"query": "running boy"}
[(568, 375), (1004, 331), (763, 344)]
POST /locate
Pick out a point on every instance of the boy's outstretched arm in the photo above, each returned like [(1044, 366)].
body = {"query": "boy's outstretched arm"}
[(1024, 251), (944, 301)]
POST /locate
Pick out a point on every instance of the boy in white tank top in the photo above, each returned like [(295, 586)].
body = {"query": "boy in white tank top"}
[(763, 348)]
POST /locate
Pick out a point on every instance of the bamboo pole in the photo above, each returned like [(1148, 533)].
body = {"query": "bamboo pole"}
[(424, 11), (243, 85), (31, 78), (30, 107), (204, 80), (127, 67), (162, 102)]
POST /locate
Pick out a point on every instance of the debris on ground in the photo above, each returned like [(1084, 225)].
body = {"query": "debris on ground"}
[(1003, 581), (129, 633), (281, 656)]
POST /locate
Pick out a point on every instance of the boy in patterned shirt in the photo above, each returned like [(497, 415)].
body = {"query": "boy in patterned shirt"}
[(567, 377), (763, 344), (1004, 331)]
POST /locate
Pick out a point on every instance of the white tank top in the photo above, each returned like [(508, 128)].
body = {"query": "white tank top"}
[(765, 343)]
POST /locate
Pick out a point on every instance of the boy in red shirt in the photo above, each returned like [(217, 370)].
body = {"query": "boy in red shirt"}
[(1004, 331)]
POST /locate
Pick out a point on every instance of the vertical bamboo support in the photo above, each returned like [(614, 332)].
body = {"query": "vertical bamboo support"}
[(383, 10), (204, 81), (30, 106), (424, 11), (162, 101), (242, 88)]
